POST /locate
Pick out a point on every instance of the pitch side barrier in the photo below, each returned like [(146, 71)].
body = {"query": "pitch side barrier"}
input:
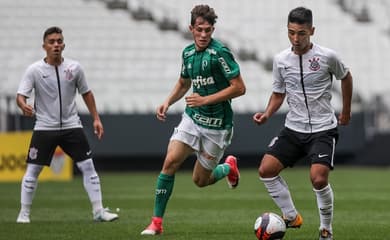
[(133, 141)]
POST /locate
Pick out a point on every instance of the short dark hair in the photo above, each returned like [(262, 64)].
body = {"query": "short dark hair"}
[(301, 15), (51, 30), (204, 11)]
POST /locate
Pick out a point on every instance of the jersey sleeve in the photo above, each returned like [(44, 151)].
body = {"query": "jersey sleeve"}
[(227, 64), (81, 81), (278, 84), (336, 66), (26, 85)]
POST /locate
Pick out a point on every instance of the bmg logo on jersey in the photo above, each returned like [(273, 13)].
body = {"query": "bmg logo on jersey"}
[(200, 81), (225, 66)]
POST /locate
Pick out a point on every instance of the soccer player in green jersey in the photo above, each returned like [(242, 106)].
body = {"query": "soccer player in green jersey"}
[(206, 127)]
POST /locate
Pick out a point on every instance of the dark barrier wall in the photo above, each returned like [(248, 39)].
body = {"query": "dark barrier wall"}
[(140, 140)]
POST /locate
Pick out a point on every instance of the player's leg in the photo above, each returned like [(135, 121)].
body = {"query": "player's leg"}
[(325, 199), (212, 147), (277, 188), (322, 155), (40, 152), (283, 151), (75, 144), (28, 188), (177, 152)]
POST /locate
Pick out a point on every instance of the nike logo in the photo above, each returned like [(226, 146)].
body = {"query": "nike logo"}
[(322, 155), (89, 152), (45, 76)]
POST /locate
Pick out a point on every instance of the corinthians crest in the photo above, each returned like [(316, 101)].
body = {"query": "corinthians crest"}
[(314, 64)]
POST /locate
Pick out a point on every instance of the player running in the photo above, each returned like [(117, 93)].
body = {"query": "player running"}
[(206, 128)]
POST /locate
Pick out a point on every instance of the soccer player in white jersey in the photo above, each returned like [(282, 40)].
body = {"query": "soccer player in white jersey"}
[(303, 74), (55, 81)]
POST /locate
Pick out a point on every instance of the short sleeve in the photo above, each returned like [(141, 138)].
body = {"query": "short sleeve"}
[(227, 64), (26, 85)]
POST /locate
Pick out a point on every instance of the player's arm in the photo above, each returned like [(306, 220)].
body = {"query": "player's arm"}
[(27, 109), (235, 89), (89, 100), (274, 103), (346, 91), (177, 93)]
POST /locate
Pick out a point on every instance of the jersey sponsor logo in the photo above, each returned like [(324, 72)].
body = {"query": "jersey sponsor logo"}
[(207, 121), (199, 81), (225, 66), (315, 64)]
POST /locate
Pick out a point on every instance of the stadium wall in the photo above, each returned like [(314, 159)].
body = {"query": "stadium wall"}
[(139, 141)]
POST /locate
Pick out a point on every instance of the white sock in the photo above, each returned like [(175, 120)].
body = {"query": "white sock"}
[(325, 201), (29, 185), (278, 190), (91, 183)]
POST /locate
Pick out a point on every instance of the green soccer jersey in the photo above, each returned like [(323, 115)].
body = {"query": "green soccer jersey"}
[(210, 71)]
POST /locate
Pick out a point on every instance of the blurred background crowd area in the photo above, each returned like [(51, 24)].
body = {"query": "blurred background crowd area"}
[(131, 50)]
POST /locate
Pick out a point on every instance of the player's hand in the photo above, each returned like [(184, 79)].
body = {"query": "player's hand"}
[(260, 118), (344, 118), (28, 110), (161, 112), (98, 129), (195, 100)]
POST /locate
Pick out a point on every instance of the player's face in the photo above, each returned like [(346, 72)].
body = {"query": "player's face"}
[(299, 35), (54, 45), (201, 31)]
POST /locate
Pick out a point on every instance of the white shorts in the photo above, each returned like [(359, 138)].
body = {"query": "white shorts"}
[(205, 142)]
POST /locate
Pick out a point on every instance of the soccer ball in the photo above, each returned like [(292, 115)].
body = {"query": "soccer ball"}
[(270, 226)]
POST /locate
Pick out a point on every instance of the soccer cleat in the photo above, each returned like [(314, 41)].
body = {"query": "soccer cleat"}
[(154, 228), (23, 217), (325, 234), (103, 215), (234, 175), (296, 223)]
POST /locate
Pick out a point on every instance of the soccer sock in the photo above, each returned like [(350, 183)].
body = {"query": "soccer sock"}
[(278, 190), (163, 192), (221, 171), (29, 185), (325, 201), (91, 183)]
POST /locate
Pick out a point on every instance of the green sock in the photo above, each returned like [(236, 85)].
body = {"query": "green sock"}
[(221, 171), (163, 192)]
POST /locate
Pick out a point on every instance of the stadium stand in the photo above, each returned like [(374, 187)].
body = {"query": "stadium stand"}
[(131, 49)]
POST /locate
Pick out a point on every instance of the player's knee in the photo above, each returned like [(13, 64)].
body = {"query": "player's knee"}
[(319, 182)]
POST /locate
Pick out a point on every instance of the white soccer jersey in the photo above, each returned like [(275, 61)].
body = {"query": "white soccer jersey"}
[(307, 82), (55, 91)]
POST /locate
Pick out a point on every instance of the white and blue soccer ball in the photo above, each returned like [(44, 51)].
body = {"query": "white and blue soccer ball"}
[(270, 226)]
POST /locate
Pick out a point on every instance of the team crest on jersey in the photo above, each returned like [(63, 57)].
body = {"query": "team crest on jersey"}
[(68, 74), (33, 153), (315, 64)]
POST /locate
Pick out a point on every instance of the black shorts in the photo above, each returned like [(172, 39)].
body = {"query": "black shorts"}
[(290, 146), (44, 143)]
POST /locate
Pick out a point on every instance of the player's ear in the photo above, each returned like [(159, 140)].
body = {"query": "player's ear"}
[(63, 47), (312, 31)]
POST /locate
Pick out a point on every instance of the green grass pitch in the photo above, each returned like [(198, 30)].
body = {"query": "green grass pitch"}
[(62, 211)]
